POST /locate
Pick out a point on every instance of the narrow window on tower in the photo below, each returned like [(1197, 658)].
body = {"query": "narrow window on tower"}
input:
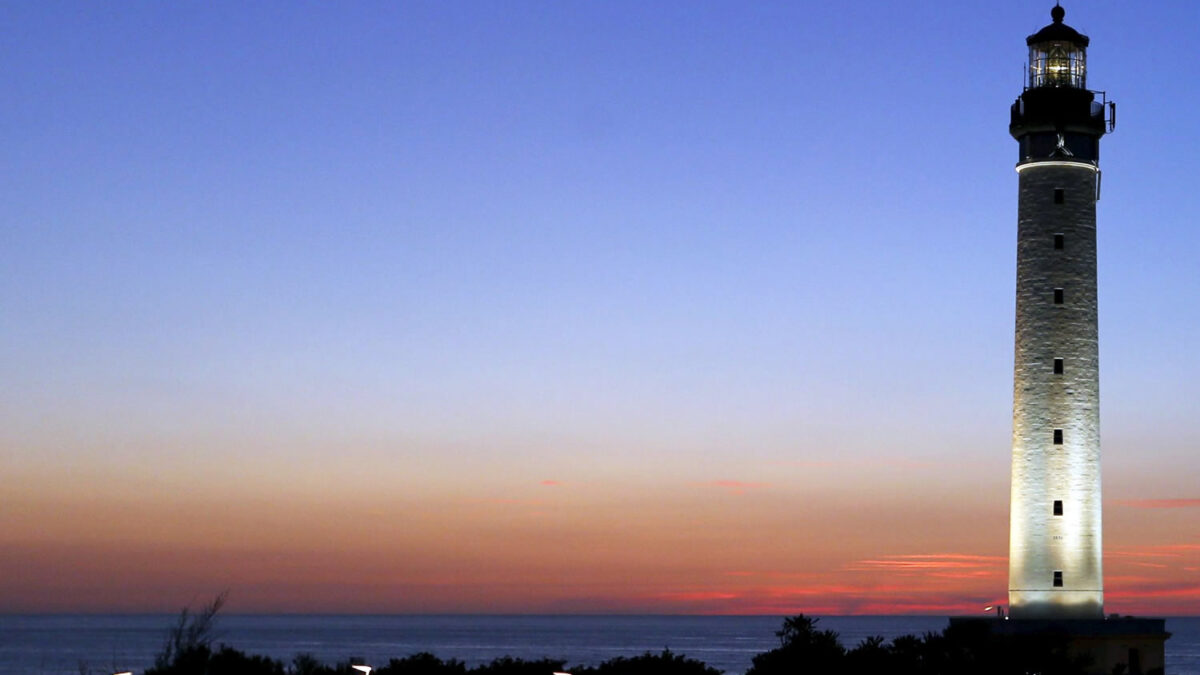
[(1058, 197), (1057, 578), (1058, 296), (1058, 366), (1058, 507), (1059, 242), (1058, 436)]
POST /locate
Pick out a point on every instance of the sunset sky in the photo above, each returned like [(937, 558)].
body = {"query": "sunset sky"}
[(628, 307)]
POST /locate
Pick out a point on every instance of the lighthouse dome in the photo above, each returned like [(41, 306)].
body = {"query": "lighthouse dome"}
[(1058, 31)]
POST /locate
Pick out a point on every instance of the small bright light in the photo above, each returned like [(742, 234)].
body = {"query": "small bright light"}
[(559, 673), (363, 669), (127, 672)]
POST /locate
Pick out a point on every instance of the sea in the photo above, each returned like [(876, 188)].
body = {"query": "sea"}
[(103, 644)]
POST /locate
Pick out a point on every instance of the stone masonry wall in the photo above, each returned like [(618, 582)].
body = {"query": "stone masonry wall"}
[(1042, 543)]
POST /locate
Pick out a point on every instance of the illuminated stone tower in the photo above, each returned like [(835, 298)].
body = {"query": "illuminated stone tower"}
[(1055, 580), (1055, 540)]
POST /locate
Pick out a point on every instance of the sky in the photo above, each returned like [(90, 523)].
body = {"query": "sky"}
[(578, 307)]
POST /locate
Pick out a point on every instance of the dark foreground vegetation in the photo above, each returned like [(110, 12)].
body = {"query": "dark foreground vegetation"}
[(803, 650)]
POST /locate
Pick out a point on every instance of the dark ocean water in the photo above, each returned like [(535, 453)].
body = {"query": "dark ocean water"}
[(57, 644)]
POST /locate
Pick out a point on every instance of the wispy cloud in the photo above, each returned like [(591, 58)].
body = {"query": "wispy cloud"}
[(824, 598), (931, 560), (1140, 553), (1160, 551), (755, 593), (1181, 547), (833, 589), (1158, 595), (1114, 580), (552, 482), (1157, 503), (945, 565), (912, 606), (698, 595), (1147, 591)]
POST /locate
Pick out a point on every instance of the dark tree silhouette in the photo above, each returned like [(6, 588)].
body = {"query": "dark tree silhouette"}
[(666, 663), (964, 648), (507, 665), (191, 634), (802, 649), (870, 656), (961, 649), (423, 663)]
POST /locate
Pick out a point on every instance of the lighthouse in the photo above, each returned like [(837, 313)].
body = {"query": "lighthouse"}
[(1055, 567), (1055, 572)]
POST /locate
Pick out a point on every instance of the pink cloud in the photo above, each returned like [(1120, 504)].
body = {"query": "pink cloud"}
[(833, 589), (552, 482), (698, 595), (1115, 580), (911, 607), (826, 597), (1157, 503), (1181, 547), (1139, 553), (952, 565), (1163, 591), (1160, 551)]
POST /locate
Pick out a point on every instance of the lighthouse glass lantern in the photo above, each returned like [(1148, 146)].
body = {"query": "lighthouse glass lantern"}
[(1057, 64), (1058, 55)]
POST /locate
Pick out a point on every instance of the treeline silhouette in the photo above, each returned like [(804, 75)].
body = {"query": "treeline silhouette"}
[(229, 661), (961, 649)]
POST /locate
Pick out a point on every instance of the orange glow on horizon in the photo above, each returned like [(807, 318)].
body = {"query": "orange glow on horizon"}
[(706, 546)]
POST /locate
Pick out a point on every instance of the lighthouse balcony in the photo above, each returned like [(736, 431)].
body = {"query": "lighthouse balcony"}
[(1062, 109)]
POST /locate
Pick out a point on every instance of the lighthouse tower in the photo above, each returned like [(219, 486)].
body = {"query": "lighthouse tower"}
[(1055, 580), (1055, 537)]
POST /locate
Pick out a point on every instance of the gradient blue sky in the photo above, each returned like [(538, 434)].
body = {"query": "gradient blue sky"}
[(391, 260)]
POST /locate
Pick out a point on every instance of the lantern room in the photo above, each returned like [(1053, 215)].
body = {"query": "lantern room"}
[(1057, 55)]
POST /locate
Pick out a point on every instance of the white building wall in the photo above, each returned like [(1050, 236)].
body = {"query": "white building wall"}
[(1043, 401)]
